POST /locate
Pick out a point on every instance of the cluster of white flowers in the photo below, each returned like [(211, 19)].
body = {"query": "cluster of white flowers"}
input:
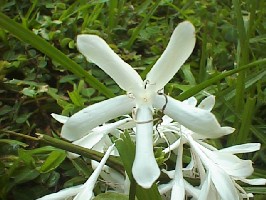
[(183, 123)]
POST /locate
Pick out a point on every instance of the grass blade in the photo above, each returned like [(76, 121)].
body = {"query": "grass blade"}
[(39, 43)]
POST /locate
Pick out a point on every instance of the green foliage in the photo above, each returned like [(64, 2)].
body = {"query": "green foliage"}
[(111, 195), (41, 72)]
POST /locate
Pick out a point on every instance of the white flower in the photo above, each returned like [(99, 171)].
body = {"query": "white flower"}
[(144, 96), (218, 170), (99, 140), (84, 191)]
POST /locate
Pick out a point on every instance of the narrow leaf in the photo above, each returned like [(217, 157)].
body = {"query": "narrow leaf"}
[(39, 43), (53, 161)]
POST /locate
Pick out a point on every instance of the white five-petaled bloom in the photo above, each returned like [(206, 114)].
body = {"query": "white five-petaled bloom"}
[(143, 97)]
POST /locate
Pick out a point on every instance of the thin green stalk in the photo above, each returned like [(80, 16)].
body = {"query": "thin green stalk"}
[(217, 78), (242, 57), (90, 19), (247, 116), (94, 155), (39, 43), (112, 8), (203, 59), (258, 134), (142, 24), (252, 17)]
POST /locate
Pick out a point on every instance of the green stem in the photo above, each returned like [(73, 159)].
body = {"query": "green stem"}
[(215, 79), (91, 154), (242, 57), (203, 59)]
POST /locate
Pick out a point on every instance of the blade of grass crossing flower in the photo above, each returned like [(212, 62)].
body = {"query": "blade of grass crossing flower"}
[(252, 79), (37, 42), (94, 155), (209, 82), (126, 150)]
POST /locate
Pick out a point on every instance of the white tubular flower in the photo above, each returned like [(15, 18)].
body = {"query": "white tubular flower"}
[(218, 170), (223, 169), (178, 190), (144, 96), (84, 191)]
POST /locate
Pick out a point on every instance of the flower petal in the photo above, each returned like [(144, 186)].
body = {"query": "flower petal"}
[(179, 48), (221, 180), (178, 190), (255, 181), (207, 103), (87, 191), (206, 189), (223, 183), (60, 118), (88, 118), (95, 49), (90, 140), (231, 164), (198, 120), (192, 101), (63, 194), (145, 169), (242, 148)]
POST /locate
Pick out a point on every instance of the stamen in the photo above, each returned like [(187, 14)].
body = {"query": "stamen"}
[(130, 95), (147, 82)]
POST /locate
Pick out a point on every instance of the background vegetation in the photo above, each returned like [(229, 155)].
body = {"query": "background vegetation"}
[(36, 79)]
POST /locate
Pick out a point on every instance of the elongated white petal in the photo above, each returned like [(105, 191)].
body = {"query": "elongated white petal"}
[(60, 118), (242, 148), (232, 165), (198, 120), (221, 180), (88, 118), (178, 190), (145, 169), (178, 50), (255, 181), (172, 146), (223, 183), (190, 189), (63, 194), (207, 103), (95, 49), (90, 140), (205, 188), (87, 191)]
